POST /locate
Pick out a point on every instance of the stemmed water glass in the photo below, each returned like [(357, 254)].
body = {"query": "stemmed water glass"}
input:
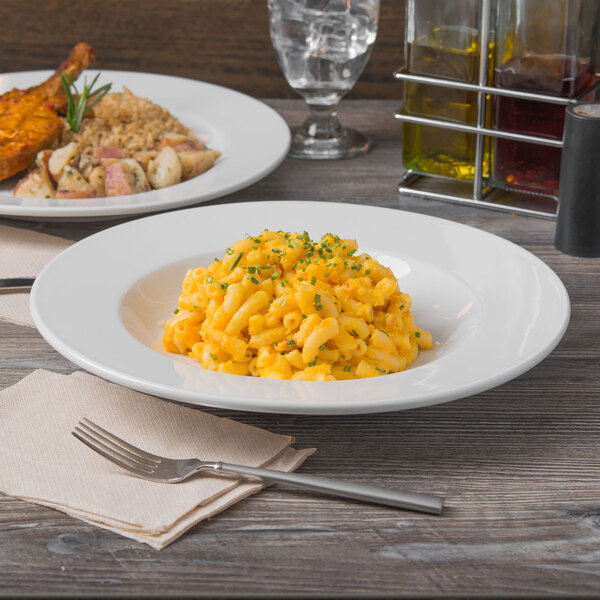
[(322, 47)]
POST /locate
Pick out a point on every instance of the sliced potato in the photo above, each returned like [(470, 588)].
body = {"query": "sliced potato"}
[(196, 162), (96, 179), (165, 169), (125, 177), (180, 142), (42, 158), (140, 181), (85, 166), (67, 156), (37, 184), (72, 184), (119, 180), (105, 162), (144, 157)]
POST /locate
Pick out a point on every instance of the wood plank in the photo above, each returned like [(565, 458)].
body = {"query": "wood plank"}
[(224, 42), (518, 464)]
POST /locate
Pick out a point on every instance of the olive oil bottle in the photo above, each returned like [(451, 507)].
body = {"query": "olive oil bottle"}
[(443, 41)]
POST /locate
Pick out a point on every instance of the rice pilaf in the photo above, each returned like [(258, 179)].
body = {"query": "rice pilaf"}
[(126, 121)]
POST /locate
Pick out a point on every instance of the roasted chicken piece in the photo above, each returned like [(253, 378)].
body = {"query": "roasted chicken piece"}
[(29, 119)]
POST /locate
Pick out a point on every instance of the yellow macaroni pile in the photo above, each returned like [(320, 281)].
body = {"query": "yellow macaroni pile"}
[(279, 305)]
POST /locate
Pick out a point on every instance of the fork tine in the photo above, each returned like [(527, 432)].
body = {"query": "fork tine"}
[(122, 444), (81, 436), (98, 438)]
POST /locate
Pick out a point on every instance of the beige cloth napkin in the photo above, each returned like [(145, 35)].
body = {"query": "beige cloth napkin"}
[(24, 253), (41, 462)]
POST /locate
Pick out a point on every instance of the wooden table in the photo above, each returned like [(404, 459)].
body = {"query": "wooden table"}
[(518, 464)]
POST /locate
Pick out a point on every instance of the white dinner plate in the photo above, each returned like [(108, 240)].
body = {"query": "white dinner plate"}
[(253, 140), (494, 309)]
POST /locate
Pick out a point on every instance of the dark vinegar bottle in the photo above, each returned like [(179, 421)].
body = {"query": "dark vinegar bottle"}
[(554, 55)]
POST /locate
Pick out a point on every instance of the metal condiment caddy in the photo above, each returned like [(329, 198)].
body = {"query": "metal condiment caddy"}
[(482, 192)]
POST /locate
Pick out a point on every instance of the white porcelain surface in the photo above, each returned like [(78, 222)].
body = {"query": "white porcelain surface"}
[(252, 138), (494, 309)]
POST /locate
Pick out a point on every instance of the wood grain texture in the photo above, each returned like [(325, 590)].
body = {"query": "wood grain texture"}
[(220, 41), (518, 464)]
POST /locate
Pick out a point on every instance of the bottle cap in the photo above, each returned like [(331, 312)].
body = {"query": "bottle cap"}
[(578, 217)]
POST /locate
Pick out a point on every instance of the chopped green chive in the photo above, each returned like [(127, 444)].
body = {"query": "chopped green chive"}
[(313, 280), (228, 251), (175, 311), (417, 334), (213, 356), (347, 368), (291, 343), (225, 285), (236, 261), (209, 279), (253, 280)]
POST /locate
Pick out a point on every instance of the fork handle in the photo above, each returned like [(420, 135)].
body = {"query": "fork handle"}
[(357, 491), (16, 284)]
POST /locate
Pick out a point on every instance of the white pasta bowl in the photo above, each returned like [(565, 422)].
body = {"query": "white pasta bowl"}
[(494, 309)]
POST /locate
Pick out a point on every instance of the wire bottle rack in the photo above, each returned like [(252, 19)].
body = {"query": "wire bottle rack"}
[(482, 193)]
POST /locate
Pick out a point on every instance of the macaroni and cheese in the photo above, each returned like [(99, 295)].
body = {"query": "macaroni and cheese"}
[(279, 305)]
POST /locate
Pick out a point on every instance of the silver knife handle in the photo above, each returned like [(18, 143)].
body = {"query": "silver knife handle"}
[(357, 491), (16, 283)]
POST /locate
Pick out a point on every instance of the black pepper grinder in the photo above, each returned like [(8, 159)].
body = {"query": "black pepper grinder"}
[(578, 218)]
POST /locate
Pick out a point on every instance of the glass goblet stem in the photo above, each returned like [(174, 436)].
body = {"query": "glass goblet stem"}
[(322, 122)]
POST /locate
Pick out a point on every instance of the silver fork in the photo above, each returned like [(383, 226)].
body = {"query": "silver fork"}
[(169, 470)]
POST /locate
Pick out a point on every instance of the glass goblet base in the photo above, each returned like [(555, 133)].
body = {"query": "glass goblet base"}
[(347, 144), (323, 137)]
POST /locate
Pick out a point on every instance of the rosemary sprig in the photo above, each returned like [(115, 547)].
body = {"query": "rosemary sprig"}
[(78, 104)]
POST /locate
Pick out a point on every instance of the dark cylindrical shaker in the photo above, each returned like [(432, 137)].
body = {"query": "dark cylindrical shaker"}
[(578, 218)]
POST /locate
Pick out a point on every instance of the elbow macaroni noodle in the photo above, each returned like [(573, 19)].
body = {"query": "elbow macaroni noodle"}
[(279, 305)]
